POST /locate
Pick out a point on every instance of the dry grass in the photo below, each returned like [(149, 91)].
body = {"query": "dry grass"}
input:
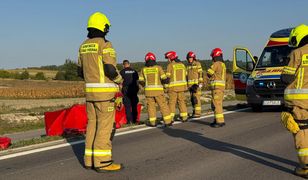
[(30, 89)]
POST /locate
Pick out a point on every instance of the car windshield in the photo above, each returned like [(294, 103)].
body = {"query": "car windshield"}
[(274, 56)]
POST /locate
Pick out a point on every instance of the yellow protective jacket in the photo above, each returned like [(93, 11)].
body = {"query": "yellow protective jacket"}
[(176, 71), (94, 54), (296, 93), (194, 73), (217, 74), (152, 77)]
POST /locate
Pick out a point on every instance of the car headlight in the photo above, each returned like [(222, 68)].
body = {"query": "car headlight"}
[(250, 82)]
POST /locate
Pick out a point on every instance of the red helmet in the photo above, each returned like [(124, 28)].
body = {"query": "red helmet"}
[(171, 55), (191, 54), (150, 56), (216, 52)]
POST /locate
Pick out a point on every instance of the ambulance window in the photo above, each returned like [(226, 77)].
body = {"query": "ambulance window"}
[(243, 60), (274, 56), (266, 60)]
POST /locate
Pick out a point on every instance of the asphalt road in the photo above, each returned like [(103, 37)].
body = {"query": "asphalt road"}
[(251, 146)]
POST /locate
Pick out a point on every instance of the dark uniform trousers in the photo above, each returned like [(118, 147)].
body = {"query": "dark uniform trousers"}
[(130, 101)]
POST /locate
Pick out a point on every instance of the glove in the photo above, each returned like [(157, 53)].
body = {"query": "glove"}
[(165, 81), (200, 86), (289, 122), (118, 103)]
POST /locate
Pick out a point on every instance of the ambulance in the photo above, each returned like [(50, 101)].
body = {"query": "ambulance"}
[(258, 80)]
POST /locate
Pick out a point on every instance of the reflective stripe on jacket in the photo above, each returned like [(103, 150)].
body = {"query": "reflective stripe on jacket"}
[(176, 71), (152, 77), (296, 93), (217, 74), (194, 73), (93, 54)]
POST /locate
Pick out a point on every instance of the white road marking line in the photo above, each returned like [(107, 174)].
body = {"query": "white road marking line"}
[(117, 134)]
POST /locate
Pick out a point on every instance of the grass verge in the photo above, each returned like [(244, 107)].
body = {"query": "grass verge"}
[(33, 141), (36, 110), (7, 127)]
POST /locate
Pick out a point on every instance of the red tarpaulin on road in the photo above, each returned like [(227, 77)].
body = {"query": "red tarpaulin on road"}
[(74, 120), (5, 142), (54, 122), (120, 118), (139, 108)]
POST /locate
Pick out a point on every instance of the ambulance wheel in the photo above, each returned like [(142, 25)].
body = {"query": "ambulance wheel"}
[(256, 107)]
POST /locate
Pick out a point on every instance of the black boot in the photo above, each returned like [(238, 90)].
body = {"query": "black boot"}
[(217, 125)]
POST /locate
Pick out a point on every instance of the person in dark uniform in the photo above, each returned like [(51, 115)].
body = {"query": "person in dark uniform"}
[(130, 90)]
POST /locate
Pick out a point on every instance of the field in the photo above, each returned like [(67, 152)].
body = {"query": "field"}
[(35, 89), (41, 89)]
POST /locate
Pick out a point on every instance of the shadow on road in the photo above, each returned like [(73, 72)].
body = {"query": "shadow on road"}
[(237, 150), (78, 148)]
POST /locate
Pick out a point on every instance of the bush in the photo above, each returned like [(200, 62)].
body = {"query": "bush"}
[(40, 76), (68, 71), (70, 68), (60, 75), (23, 75)]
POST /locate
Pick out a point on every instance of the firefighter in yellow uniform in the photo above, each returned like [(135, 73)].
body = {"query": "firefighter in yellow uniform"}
[(176, 71), (217, 75), (295, 76), (194, 82), (152, 77), (97, 65)]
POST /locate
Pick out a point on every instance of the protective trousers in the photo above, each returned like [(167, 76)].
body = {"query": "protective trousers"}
[(100, 131), (217, 99), (178, 97), (195, 98), (162, 103), (301, 138)]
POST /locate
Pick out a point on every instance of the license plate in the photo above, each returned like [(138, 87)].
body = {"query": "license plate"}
[(271, 103)]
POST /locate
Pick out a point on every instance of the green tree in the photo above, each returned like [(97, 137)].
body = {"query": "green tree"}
[(70, 68), (68, 71), (60, 75), (40, 76), (23, 75)]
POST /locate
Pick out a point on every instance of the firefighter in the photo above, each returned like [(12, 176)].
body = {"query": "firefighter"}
[(176, 71), (97, 63), (130, 90), (295, 115), (217, 75), (195, 80), (152, 77)]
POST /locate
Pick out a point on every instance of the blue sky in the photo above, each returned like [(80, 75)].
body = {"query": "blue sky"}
[(36, 32)]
